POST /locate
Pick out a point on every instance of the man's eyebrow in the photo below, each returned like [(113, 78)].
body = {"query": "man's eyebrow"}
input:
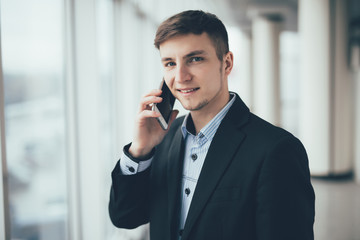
[(191, 54), (194, 53), (165, 59)]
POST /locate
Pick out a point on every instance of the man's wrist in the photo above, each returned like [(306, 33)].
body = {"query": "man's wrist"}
[(138, 156), (130, 165)]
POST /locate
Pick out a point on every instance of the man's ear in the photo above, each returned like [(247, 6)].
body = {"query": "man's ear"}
[(228, 62)]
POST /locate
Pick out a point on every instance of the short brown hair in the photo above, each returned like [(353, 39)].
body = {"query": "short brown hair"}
[(195, 22)]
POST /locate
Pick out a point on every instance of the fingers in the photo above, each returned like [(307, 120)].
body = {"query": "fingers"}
[(149, 114), (154, 92), (150, 98)]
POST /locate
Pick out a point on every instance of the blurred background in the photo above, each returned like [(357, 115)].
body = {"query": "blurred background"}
[(72, 73)]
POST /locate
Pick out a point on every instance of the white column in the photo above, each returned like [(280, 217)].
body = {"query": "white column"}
[(343, 98), (240, 79), (357, 124), (266, 68), (243, 64), (314, 119), (325, 96), (355, 64)]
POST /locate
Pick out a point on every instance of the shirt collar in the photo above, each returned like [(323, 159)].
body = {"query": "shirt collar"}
[(207, 132)]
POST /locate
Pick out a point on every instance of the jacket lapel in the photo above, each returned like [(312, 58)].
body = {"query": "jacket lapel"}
[(225, 143), (174, 177)]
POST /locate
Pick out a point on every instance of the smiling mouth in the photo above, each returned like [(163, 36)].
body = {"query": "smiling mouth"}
[(188, 90)]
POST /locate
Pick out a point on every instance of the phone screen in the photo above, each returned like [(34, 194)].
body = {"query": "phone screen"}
[(165, 107)]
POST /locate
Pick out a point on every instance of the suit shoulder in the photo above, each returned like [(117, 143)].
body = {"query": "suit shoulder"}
[(270, 139), (174, 128), (268, 132), (177, 122), (176, 125)]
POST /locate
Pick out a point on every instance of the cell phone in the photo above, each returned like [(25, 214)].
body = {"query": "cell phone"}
[(166, 106)]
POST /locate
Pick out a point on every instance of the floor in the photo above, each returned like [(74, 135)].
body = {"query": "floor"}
[(337, 209)]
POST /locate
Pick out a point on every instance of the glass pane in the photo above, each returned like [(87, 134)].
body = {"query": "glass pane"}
[(32, 48)]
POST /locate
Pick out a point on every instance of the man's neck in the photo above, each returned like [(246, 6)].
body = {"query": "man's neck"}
[(205, 115)]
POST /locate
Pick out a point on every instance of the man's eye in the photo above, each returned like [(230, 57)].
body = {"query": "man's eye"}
[(196, 59), (170, 64)]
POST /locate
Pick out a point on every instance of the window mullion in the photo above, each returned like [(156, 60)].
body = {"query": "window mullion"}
[(4, 200), (73, 184)]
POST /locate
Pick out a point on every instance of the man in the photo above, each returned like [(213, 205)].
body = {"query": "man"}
[(220, 172)]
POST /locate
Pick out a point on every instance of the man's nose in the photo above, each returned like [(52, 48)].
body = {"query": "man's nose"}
[(182, 73)]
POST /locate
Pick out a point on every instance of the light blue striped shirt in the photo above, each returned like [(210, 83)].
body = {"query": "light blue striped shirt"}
[(196, 148)]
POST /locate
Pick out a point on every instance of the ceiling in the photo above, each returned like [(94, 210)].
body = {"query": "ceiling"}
[(242, 11)]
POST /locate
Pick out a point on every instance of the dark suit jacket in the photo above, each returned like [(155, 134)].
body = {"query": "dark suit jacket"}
[(254, 184)]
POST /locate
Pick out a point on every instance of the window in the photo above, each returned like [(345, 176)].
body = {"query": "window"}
[(32, 55)]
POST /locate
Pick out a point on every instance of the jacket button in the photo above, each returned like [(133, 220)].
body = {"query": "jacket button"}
[(194, 157)]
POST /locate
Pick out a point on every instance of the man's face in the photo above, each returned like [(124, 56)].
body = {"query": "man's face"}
[(194, 74)]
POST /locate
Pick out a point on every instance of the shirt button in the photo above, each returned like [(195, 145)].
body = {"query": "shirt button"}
[(194, 157), (131, 169), (187, 191)]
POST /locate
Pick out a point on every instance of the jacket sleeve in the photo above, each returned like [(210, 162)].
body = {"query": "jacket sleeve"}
[(285, 197), (129, 199)]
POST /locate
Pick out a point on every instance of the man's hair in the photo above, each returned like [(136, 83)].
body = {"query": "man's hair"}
[(195, 22)]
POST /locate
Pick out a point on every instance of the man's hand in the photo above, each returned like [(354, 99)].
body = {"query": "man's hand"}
[(148, 132)]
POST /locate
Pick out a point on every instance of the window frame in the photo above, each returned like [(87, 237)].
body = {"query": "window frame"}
[(4, 200)]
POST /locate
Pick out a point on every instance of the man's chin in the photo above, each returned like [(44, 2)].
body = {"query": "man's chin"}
[(193, 108)]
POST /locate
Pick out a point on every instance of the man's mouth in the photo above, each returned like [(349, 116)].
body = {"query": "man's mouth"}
[(188, 90)]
